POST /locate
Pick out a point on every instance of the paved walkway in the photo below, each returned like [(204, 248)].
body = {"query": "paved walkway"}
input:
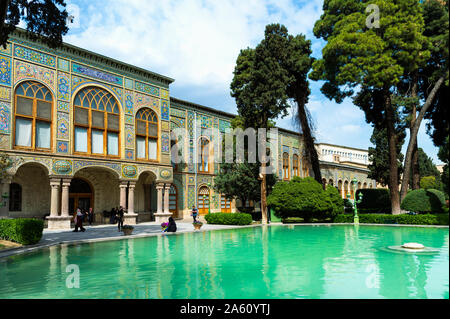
[(104, 233)]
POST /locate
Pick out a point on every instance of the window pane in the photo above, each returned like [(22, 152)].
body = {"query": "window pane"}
[(24, 106), (80, 139), (23, 132), (97, 142), (141, 128), (98, 119), (152, 129), (43, 134), (81, 116), (152, 149), (113, 122), (113, 144), (140, 147), (44, 110)]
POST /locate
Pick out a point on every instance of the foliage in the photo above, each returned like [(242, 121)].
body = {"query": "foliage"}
[(428, 182), (444, 157), (376, 200), (379, 155), (44, 19), (241, 180), (229, 218), (127, 227), (26, 231), (305, 197), (197, 222), (424, 201), (421, 219)]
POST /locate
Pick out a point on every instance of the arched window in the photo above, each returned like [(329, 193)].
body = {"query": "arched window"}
[(305, 169), (340, 187), (285, 166), (295, 164), (97, 122), (345, 189), (146, 134), (203, 155), (203, 200), (324, 182), (330, 182), (15, 197), (225, 204), (33, 116), (364, 185), (173, 201)]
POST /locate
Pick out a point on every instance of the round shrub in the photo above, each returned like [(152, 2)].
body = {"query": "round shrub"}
[(229, 218), (424, 201), (305, 198)]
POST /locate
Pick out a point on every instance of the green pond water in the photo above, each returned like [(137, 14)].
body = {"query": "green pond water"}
[(340, 261)]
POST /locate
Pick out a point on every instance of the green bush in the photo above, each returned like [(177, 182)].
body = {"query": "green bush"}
[(424, 201), (374, 200), (422, 219), (25, 231), (305, 198), (428, 182), (229, 218)]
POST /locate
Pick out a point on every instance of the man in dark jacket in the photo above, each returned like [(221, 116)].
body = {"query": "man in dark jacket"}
[(120, 217)]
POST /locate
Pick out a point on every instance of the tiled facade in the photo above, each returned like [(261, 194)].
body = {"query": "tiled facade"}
[(144, 186)]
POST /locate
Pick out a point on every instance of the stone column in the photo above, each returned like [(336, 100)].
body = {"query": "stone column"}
[(65, 198), (159, 188), (131, 198), (123, 194), (160, 216), (4, 188), (54, 184), (130, 217), (166, 199), (54, 220)]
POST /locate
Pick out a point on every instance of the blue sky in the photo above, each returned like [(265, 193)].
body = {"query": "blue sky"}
[(196, 42)]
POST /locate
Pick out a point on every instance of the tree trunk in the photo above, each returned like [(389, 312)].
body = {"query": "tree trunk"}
[(415, 155), (308, 140), (413, 136), (393, 165)]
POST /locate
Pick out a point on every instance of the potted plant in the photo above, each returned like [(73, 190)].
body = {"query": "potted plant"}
[(127, 229), (197, 224)]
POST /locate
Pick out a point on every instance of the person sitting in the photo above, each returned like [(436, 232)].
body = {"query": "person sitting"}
[(172, 227)]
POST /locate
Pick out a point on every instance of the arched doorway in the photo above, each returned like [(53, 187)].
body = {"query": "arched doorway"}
[(80, 195), (203, 200)]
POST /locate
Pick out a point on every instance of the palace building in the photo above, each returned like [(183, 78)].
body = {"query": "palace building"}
[(84, 130)]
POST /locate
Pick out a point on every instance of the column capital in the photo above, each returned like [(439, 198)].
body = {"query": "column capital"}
[(55, 182), (132, 184), (66, 182), (159, 186)]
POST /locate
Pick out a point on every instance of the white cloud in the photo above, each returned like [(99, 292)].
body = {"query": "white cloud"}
[(195, 42)]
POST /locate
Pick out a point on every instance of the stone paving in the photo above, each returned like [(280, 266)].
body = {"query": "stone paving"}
[(104, 233)]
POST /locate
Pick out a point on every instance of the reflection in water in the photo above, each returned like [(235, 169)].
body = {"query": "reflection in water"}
[(257, 262)]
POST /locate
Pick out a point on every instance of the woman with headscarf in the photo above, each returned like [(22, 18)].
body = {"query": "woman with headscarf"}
[(172, 227)]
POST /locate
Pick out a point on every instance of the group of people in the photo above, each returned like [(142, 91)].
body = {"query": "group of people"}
[(80, 215), (116, 216)]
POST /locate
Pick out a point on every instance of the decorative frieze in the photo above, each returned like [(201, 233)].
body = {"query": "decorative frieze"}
[(34, 56), (96, 74)]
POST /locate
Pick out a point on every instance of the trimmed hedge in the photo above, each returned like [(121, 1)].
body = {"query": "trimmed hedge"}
[(375, 200), (229, 218), (425, 219), (424, 201), (25, 231)]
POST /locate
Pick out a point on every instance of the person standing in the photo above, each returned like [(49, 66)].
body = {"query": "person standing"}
[(194, 213), (79, 221), (120, 217), (90, 216)]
